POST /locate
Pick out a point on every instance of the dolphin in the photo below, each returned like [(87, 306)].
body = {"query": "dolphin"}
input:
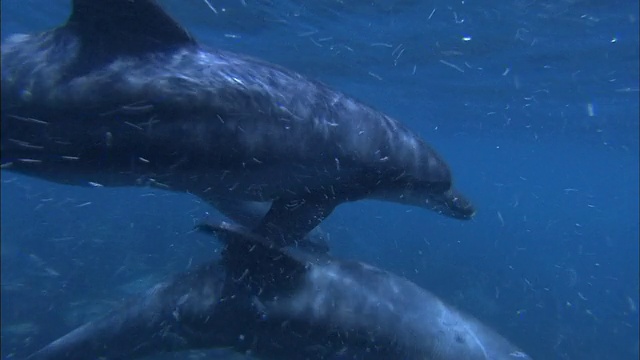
[(285, 303), (122, 95)]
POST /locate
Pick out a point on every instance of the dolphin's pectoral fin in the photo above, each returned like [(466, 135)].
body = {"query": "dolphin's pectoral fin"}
[(250, 214), (314, 242), (245, 213), (290, 220)]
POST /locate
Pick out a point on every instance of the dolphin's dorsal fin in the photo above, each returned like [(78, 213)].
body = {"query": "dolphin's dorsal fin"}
[(253, 260), (108, 29), (244, 243)]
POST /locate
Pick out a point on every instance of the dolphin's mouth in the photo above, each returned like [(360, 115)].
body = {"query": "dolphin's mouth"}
[(458, 213), (452, 204), (465, 214)]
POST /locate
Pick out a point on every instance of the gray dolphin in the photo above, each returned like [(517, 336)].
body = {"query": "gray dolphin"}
[(122, 95), (285, 303)]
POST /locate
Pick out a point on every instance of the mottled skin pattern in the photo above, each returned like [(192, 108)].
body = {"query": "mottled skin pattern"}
[(121, 96), (286, 304)]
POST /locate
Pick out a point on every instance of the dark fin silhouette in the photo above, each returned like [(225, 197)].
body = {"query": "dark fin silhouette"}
[(288, 221), (111, 28), (230, 233), (246, 213), (250, 214), (254, 261)]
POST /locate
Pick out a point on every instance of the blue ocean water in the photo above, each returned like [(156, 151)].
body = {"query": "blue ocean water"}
[(533, 103)]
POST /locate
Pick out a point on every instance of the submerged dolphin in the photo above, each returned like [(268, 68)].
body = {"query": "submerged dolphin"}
[(285, 304), (122, 95)]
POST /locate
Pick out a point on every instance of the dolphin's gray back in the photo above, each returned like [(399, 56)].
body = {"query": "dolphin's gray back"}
[(121, 95), (409, 322), (286, 304), (210, 86), (337, 302), (196, 95), (160, 320)]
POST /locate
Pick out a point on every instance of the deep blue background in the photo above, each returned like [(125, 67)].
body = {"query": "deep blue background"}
[(550, 261)]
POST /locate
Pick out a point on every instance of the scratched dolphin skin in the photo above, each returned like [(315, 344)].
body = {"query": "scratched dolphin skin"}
[(122, 95), (285, 303)]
